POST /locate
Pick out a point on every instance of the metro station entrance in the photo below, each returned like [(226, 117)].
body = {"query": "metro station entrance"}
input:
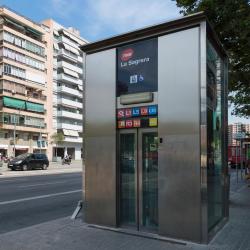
[(138, 179)]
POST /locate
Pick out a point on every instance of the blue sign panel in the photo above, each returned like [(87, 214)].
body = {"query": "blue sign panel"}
[(135, 111), (152, 110)]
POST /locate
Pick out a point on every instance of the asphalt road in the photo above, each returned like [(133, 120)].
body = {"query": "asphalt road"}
[(30, 200)]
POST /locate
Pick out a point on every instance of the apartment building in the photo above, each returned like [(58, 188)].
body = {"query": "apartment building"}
[(23, 83), (236, 128), (68, 75)]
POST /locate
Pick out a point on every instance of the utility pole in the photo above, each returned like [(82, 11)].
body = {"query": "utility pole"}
[(14, 138), (40, 137)]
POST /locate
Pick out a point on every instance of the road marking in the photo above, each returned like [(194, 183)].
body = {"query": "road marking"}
[(39, 197), (42, 184), (14, 179)]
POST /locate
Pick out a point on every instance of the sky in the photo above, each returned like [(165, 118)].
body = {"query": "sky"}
[(99, 19)]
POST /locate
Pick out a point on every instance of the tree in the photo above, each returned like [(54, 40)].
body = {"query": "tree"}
[(231, 21), (57, 139)]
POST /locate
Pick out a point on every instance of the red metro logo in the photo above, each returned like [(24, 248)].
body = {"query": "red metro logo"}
[(127, 54)]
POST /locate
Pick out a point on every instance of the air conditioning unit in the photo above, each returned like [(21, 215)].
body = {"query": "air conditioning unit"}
[(13, 91)]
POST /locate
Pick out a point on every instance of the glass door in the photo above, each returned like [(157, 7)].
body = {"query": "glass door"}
[(148, 145), (139, 178), (128, 177)]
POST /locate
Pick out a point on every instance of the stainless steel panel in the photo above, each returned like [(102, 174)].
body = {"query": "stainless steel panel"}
[(179, 127), (100, 143)]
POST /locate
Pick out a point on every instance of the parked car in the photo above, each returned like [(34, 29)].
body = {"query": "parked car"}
[(29, 161)]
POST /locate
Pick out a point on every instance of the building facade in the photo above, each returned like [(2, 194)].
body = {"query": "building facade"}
[(236, 128), (67, 88), (23, 82)]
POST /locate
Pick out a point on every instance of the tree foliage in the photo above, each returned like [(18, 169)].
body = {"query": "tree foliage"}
[(57, 138), (231, 21)]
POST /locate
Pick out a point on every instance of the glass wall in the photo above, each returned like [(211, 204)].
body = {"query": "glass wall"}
[(215, 82)]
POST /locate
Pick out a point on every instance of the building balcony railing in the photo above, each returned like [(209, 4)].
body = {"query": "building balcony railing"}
[(19, 142), (16, 94), (22, 127), (66, 102), (68, 55), (70, 66), (70, 91), (68, 79), (69, 126), (69, 115), (73, 139)]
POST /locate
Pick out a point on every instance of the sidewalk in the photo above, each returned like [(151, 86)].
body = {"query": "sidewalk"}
[(73, 235), (54, 168)]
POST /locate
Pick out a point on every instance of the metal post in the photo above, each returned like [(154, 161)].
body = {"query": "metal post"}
[(40, 138), (236, 160), (14, 138), (241, 156)]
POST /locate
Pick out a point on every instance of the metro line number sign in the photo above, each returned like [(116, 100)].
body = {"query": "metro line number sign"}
[(137, 117)]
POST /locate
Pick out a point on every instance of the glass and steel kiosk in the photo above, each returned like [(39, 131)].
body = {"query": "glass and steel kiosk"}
[(155, 131)]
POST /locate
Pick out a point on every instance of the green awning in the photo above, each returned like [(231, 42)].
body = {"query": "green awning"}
[(35, 107), (13, 103), (35, 31), (14, 23)]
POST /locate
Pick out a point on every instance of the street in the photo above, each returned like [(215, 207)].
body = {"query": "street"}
[(30, 200)]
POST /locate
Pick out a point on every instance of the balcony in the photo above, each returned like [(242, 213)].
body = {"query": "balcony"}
[(70, 91), (70, 56), (67, 78), (66, 102), (69, 126), (63, 39), (69, 115), (24, 128), (70, 66), (73, 139), (30, 97)]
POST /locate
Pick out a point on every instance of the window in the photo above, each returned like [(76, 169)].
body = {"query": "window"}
[(16, 56), (34, 122), (14, 71), (32, 47)]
